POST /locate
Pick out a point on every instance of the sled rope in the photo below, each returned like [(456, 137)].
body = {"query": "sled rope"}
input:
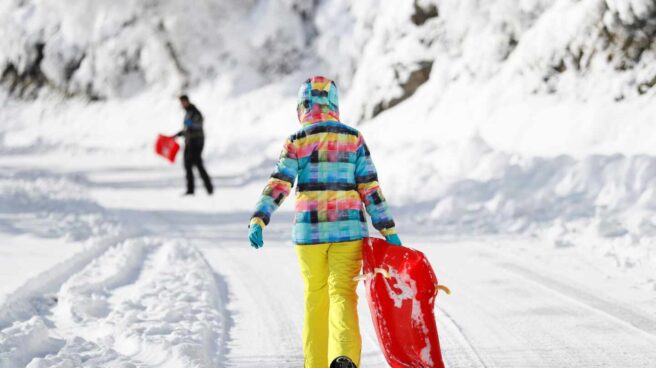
[(385, 273), (443, 288), (370, 275)]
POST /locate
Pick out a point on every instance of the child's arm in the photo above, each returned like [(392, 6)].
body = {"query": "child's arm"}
[(278, 187), (366, 178)]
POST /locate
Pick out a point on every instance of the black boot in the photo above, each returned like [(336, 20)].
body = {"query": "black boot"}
[(343, 362)]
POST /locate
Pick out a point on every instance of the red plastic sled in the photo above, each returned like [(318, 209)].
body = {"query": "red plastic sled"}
[(167, 147), (401, 288)]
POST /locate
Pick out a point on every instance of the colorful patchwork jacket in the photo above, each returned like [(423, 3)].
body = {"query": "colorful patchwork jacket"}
[(336, 176)]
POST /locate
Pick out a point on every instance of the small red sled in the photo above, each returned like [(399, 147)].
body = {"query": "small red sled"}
[(167, 147), (401, 288)]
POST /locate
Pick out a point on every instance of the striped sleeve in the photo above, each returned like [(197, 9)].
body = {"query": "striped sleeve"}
[(278, 187), (366, 179)]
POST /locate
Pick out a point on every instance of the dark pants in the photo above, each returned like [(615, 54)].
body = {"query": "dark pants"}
[(192, 157)]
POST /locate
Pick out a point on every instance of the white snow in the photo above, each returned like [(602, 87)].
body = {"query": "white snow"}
[(155, 303), (203, 297), (514, 139), (23, 340)]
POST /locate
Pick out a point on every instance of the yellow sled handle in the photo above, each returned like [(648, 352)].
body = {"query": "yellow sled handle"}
[(443, 288), (370, 275)]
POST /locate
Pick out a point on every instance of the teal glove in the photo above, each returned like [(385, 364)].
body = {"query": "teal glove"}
[(255, 236), (393, 239)]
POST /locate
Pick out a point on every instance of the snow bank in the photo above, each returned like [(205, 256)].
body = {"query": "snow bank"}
[(22, 341), (155, 303), (603, 202), (142, 302), (84, 295)]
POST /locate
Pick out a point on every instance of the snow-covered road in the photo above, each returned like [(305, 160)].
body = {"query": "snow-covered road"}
[(181, 287)]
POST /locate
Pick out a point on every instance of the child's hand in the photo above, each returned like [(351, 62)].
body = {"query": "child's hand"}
[(393, 239), (255, 236)]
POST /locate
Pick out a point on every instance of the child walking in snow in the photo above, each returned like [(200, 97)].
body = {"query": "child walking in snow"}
[(336, 180)]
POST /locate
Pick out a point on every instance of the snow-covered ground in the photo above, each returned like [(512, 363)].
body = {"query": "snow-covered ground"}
[(514, 140), (179, 285)]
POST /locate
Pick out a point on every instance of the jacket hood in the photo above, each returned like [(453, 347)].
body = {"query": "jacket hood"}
[(318, 101)]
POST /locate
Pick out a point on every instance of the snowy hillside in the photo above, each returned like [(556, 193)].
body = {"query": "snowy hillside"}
[(498, 116), (512, 137), (110, 49)]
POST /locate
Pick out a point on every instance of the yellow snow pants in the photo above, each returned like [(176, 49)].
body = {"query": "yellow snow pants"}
[(330, 327)]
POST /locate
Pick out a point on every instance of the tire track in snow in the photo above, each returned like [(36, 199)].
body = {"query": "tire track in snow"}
[(454, 330), (174, 229), (228, 320), (274, 322), (29, 299), (38, 335), (512, 322), (177, 310), (614, 311), (144, 302), (24, 331)]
